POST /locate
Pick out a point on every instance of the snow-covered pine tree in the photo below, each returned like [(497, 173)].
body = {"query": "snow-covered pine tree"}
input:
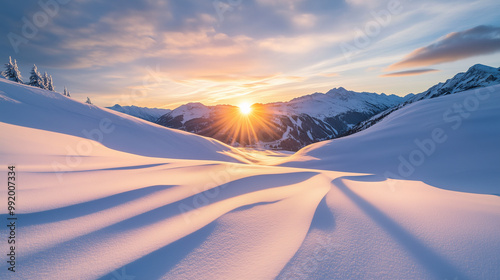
[(66, 92), (50, 84), (12, 72), (17, 74), (88, 101), (35, 78), (9, 70), (45, 79)]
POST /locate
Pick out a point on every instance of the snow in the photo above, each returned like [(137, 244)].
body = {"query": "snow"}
[(478, 76), (153, 203), (336, 101), (191, 111), (309, 134), (465, 156), (51, 111), (149, 114)]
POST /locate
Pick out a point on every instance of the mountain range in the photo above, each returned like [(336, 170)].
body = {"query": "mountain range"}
[(148, 114), (304, 120), (284, 125)]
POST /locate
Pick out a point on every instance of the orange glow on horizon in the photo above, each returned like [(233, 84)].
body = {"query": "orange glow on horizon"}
[(246, 125)]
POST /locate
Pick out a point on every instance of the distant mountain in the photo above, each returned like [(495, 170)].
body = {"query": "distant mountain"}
[(149, 114), (284, 125), (477, 76)]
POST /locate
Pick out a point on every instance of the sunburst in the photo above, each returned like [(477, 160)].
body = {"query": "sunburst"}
[(245, 108)]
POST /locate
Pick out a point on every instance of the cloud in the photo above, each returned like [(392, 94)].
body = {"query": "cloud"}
[(304, 20), (479, 40), (363, 3), (409, 73), (301, 44), (329, 75)]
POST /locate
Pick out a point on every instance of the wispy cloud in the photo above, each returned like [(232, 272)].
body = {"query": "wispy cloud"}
[(260, 49), (409, 73), (455, 46), (329, 75)]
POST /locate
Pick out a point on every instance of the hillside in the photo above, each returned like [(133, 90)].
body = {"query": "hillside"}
[(27, 106)]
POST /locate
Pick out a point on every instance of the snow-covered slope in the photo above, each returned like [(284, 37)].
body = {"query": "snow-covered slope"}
[(476, 77), (450, 142), (297, 123), (149, 114), (36, 108)]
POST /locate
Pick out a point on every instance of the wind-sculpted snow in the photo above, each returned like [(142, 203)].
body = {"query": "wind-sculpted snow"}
[(115, 213)]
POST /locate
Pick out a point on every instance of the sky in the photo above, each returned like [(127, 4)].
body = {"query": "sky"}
[(167, 53)]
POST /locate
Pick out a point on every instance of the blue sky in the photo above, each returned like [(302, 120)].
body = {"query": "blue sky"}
[(167, 53)]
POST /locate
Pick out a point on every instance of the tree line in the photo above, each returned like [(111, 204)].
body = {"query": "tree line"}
[(44, 81)]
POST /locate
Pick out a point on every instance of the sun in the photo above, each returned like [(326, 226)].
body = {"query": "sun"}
[(245, 108)]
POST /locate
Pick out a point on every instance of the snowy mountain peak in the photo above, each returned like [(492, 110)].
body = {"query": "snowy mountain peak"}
[(483, 68), (339, 90), (189, 107)]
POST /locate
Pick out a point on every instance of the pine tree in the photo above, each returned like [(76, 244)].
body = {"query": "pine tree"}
[(50, 84), (66, 92), (45, 79), (12, 72), (9, 70), (17, 73), (88, 101), (35, 78)]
